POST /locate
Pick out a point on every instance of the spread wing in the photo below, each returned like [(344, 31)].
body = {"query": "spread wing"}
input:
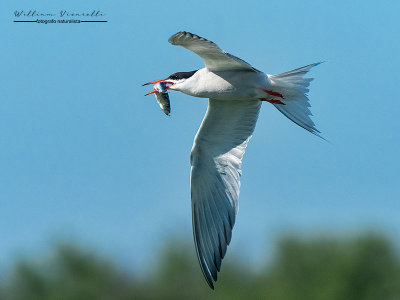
[(214, 58), (216, 159)]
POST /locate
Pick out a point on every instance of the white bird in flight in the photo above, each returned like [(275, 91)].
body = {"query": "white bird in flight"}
[(236, 91)]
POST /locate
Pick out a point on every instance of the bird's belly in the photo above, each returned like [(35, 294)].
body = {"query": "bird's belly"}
[(229, 85)]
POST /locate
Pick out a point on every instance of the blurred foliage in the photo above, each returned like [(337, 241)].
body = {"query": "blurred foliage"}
[(365, 267)]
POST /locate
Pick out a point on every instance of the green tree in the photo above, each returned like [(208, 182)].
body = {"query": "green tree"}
[(71, 273), (360, 268)]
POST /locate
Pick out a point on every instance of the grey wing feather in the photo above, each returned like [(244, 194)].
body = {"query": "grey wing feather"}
[(214, 58), (216, 160)]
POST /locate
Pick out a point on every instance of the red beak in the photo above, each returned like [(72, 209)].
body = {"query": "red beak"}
[(157, 81), (154, 82), (153, 91)]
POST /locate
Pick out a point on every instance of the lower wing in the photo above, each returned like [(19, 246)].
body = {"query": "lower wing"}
[(216, 160)]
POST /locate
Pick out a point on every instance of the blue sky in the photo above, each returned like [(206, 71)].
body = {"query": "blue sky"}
[(85, 156)]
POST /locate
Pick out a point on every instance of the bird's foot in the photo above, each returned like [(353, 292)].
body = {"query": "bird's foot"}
[(272, 101), (272, 93)]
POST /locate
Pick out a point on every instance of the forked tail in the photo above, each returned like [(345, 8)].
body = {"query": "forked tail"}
[(293, 87)]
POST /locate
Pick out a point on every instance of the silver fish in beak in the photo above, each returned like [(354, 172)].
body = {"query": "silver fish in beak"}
[(161, 93), (162, 97)]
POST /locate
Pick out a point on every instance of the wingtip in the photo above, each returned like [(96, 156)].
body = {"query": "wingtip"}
[(171, 40), (320, 62), (211, 285), (175, 39), (317, 133), (208, 279), (320, 136)]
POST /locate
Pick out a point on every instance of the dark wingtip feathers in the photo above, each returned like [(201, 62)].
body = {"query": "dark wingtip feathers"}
[(184, 34)]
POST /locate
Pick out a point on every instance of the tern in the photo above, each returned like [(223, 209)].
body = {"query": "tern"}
[(235, 91)]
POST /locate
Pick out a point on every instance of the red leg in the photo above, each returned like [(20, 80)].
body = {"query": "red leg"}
[(272, 101), (272, 93)]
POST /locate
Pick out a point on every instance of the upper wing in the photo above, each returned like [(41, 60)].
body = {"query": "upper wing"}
[(216, 160), (214, 58)]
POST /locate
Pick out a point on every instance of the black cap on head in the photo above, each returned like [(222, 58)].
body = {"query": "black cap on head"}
[(181, 75)]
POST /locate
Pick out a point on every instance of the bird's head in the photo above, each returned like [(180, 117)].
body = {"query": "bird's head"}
[(172, 81)]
